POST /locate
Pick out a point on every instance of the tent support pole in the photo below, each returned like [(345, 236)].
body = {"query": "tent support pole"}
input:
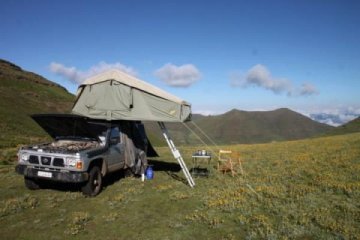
[(176, 154)]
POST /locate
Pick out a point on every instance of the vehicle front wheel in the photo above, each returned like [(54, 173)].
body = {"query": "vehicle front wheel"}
[(94, 184), (31, 183)]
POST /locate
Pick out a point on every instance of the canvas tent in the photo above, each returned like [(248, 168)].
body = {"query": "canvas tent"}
[(115, 95)]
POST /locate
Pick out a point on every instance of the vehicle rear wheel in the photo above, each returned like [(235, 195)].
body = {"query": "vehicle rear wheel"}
[(94, 184), (31, 183)]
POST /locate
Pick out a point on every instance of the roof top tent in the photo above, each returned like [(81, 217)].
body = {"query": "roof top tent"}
[(115, 95)]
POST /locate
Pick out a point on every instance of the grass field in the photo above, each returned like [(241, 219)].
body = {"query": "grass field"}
[(308, 189)]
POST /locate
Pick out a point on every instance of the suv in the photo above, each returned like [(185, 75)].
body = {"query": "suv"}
[(83, 151)]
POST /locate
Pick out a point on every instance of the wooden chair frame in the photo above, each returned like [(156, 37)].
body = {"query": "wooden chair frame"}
[(229, 161)]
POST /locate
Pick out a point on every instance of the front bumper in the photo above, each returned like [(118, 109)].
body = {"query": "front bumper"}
[(73, 177)]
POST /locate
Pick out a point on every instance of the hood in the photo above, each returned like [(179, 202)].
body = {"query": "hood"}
[(69, 126)]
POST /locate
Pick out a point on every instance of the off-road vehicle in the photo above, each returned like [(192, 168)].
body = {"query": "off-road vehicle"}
[(83, 151)]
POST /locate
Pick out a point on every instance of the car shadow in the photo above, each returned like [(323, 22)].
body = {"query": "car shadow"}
[(114, 177), (170, 168), (59, 186), (108, 180)]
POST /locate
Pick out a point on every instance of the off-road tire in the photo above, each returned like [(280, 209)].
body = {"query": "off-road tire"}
[(94, 184), (31, 183)]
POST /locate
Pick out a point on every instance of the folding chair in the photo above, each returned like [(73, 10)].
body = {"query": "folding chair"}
[(229, 162)]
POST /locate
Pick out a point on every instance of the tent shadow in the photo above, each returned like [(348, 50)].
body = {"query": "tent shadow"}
[(161, 166), (172, 169)]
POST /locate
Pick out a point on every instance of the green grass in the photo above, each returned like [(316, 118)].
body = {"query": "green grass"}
[(307, 189)]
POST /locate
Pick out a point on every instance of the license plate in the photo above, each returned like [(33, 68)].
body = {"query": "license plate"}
[(45, 174)]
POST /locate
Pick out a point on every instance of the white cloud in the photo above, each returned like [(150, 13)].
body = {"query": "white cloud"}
[(70, 73), (308, 89), (78, 76), (334, 116), (178, 76), (260, 76), (206, 112)]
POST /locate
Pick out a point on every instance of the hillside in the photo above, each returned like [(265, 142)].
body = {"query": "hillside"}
[(238, 126), (350, 127), (24, 93)]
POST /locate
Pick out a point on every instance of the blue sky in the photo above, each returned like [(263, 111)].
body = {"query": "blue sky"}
[(218, 55)]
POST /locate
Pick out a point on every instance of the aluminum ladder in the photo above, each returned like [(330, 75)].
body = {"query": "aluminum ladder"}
[(176, 154)]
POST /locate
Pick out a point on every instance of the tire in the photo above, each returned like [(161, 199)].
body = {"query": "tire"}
[(94, 184), (31, 183)]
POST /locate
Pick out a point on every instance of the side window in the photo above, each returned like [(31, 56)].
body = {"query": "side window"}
[(115, 135)]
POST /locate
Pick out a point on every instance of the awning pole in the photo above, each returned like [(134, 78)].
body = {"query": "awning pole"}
[(176, 154)]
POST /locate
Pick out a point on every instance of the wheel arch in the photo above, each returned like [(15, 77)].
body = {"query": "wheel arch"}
[(101, 163)]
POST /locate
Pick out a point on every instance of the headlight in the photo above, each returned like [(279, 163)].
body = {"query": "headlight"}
[(71, 162), (24, 157), (74, 162)]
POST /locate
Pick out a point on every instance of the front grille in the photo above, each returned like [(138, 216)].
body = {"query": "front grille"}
[(34, 159), (45, 160), (58, 162), (47, 168)]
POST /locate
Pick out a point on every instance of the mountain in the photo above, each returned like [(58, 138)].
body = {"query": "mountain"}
[(350, 127), (238, 126), (22, 94)]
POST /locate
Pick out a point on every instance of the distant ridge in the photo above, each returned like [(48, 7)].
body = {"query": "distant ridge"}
[(238, 126), (350, 127), (22, 94)]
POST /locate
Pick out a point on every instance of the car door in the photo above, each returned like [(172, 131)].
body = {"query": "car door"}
[(116, 154)]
